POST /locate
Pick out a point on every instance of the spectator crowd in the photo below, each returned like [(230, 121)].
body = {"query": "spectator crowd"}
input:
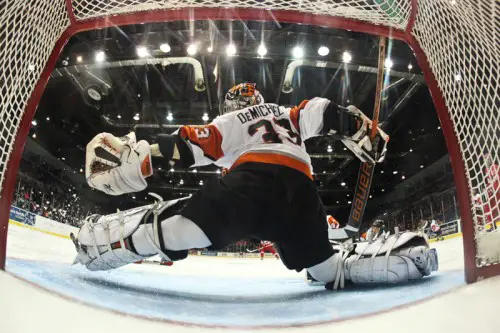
[(54, 201)]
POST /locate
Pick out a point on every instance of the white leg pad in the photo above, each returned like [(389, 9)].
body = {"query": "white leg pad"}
[(110, 260), (103, 242), (388, 259), (381, 269)]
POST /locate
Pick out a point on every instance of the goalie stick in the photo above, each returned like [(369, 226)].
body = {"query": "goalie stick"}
[(365, 175), (257, 249)]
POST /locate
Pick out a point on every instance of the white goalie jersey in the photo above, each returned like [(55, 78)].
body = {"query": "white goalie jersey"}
[(266, 133)]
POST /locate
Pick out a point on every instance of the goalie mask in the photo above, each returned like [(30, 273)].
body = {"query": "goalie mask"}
[(241, 96)]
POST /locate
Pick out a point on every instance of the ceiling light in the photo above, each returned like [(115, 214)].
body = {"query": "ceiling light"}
[(411, 150), (172, 170), (403, 177), (383, 190), (192, 49), (48, 118), (394, 172), (218, 171), (170, 117), (345, 148), (342, 184), (100, 56), (119, 117), (262, 51), (346, 57), (201, 182), (159, 168), (205, 117), (165, 48), (195, 171), (34, 136), (210, 49), (349, 202), (64, 159), (324, 171), (136, 117), (410, 66), (133, 197), (142, 51), (297, 52), (182, 181), (421, 166), (33, 122), (381, 171), (371, 196), (79, 59), (329, 149), (231, 50), (337, 201), (323, 51), (439, 127), (388, 63)]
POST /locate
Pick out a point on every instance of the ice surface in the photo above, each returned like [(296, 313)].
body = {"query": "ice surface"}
[(215, 291)]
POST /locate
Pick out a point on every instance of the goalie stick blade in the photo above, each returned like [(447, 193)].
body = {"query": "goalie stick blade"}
[(361, 195)]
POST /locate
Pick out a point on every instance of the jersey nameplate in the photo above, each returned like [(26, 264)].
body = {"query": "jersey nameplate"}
[(259, 111)]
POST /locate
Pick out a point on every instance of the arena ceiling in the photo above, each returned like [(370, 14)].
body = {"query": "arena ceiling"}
[(147, 91)]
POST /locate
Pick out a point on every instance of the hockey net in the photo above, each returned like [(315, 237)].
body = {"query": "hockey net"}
[(455, 41)]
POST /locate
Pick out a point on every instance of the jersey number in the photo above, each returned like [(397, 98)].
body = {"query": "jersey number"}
[(202, 133), (270, 135)]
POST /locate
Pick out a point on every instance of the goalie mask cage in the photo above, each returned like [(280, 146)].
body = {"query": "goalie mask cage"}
[(455, 43)]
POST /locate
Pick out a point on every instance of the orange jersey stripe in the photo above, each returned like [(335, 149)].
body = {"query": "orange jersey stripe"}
[(208, 138), (295, 114), (146, 168), (271, 158)]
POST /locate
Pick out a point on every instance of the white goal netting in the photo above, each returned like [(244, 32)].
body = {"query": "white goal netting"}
[(459, 39)]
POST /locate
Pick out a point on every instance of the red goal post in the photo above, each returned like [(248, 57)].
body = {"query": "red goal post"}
[(453, 41)]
